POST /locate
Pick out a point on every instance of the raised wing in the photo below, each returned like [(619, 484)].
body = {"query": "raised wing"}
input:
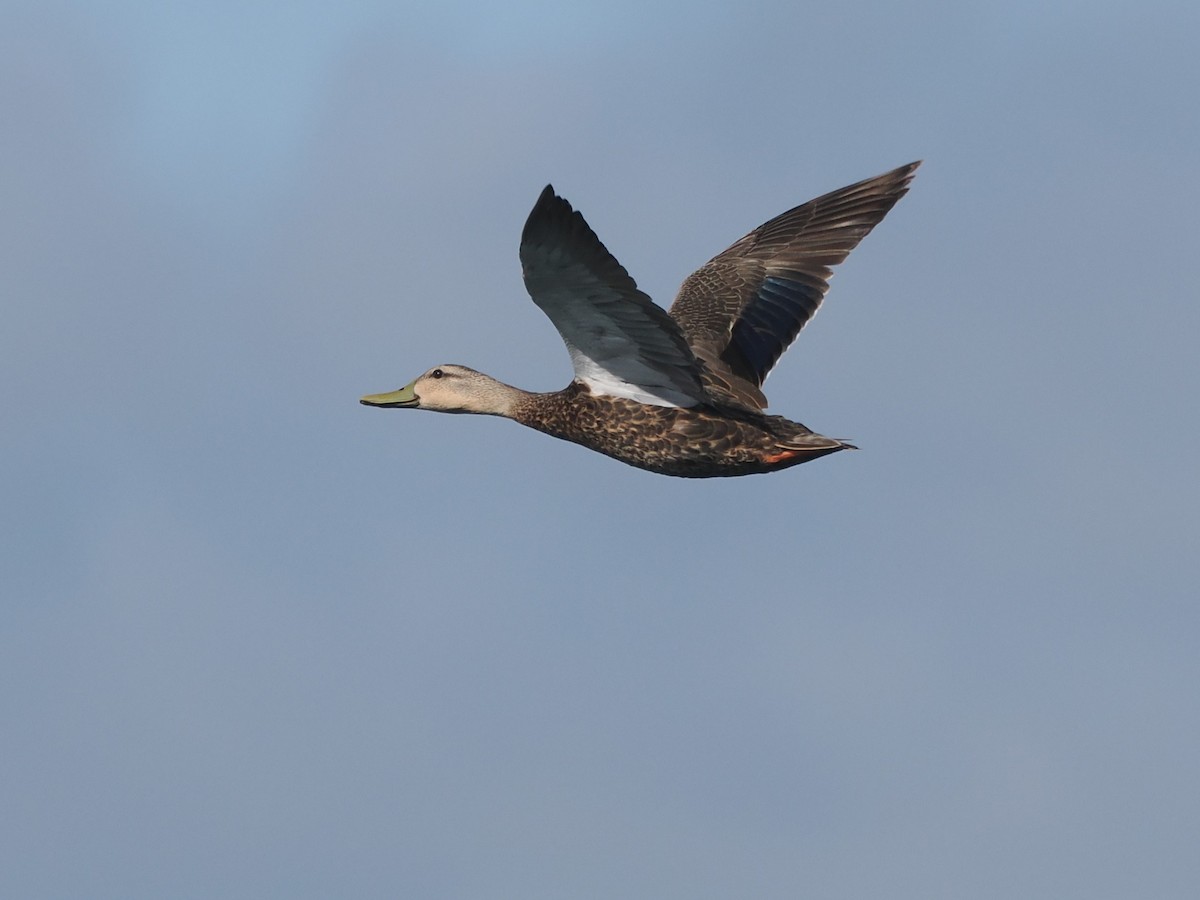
[(744, 307), (621, 343)]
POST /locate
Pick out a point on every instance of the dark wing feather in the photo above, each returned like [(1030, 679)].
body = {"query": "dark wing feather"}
[(744, 307), (621, 343)]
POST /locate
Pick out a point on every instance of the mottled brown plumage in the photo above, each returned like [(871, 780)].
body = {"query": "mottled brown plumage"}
[(677, 393), (692, 442)]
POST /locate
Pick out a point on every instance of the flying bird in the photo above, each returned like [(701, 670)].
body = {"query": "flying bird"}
[(677, 392)]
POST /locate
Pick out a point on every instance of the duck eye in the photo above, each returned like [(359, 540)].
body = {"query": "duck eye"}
[(436, 373)]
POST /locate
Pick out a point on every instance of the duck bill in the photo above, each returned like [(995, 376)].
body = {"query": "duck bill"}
[(404, 398)]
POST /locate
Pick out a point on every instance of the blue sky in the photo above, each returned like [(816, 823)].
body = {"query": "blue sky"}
[(259, 641)]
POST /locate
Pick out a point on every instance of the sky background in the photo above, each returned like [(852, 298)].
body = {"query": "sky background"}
[(259, 641)]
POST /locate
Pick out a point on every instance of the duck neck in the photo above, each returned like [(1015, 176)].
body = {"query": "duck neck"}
[(498, 399)]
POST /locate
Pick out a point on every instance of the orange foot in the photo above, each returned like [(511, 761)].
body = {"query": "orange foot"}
[(782, 456)]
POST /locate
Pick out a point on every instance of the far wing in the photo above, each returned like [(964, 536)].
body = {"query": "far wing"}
[(744, 307), (621, 343)]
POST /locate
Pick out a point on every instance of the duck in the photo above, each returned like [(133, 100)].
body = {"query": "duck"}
[(676, 392)]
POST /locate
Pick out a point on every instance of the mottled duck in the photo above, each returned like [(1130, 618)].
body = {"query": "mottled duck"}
[(677, 392)]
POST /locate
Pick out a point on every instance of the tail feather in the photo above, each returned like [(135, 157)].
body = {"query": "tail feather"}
[(814, 441)]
